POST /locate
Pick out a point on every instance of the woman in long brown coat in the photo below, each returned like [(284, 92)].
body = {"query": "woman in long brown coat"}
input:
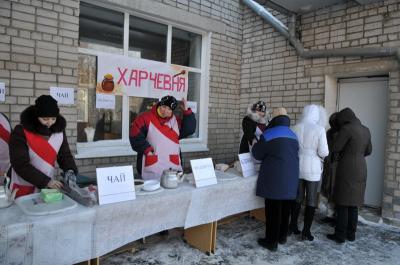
[(350, 147)]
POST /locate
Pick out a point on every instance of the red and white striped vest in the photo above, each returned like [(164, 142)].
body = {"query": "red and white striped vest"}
[(5, 131), (43, 156), (164, 138)]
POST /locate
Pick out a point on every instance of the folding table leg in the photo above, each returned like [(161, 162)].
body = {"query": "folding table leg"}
[(95, 261), (214, 239)]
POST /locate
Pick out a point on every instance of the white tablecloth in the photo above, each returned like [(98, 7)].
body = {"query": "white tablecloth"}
[(85, 233)]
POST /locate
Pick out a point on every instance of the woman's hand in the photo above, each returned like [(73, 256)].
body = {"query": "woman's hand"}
[(184, 105), (54, 184)]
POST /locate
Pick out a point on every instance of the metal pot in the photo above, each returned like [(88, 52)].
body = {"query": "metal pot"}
[(170, 178)]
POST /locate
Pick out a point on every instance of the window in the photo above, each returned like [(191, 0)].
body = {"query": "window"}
[(186, 48), (101, 28), (106, 132), (107, 124), (147, 39)]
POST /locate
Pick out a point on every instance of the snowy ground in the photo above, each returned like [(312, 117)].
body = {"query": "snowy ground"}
[(237, 244)]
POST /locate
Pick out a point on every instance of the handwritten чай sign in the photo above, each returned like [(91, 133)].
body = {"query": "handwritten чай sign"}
[(115, 184), (63, 95)]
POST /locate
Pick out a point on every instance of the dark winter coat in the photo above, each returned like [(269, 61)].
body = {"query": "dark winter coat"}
[(249, 127), (329, 170), (351, 145), (19, 150), (278, 149)]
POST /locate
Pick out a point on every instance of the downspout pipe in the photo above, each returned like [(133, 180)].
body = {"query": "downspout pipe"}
[(266, 15), (289, 34)]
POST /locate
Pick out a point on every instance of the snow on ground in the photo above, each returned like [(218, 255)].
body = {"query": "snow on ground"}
[(237, 244)]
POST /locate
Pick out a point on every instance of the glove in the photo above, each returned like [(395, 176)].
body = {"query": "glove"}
[(69, 175)]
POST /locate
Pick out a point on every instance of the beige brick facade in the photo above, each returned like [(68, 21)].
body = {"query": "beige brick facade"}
[(271, 69), (249, 61)]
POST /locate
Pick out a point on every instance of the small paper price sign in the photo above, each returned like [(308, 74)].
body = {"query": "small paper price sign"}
[(247, 164), (203, 172)]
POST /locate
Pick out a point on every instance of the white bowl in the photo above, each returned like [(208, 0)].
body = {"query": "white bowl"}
[(151, 185), (138, 184)]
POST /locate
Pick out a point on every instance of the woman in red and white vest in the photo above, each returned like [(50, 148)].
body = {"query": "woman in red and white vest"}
[(155, 137), (35, 146), (5, 131)]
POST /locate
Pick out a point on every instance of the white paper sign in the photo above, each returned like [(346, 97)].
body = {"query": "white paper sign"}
[(115, 184), (63, 95), (247, 164), (104, 101), (192, 105), (2, 92), (123, 75), (203, 172)]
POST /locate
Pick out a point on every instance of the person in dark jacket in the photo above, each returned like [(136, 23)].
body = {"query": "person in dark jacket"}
[(253, 125), (155, 137), (329, 171), (350, 147), (278, 178), (36, 144)]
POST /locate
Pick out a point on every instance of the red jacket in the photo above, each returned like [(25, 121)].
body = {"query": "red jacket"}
[(140, 126)]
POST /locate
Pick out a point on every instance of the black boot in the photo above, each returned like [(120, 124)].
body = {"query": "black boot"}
[(294, 216), (335, 238), (308, 219), (268, 245)]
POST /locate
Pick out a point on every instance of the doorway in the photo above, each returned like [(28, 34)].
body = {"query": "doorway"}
[(368, 98)]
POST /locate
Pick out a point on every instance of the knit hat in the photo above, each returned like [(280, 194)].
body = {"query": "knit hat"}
[(259, 106), (278, 112), (46, 106), (168, 101)]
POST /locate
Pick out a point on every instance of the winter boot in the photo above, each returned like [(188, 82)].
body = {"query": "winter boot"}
[(308, 219), (294, 216), (268, 245)]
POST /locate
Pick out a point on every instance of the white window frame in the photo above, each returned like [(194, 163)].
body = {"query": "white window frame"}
[(122, 147)]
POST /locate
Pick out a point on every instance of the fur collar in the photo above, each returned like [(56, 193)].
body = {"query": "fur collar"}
[(254, 116), (30, 122)]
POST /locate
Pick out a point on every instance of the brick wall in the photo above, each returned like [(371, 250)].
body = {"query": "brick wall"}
[(38, 41), (38, 49), (272, 71), (250, 61)]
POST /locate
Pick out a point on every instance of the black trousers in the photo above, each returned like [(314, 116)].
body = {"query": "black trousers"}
[(277, 219), (346, 221)]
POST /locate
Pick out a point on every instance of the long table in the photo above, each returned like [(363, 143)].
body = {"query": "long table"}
[(84, 233)]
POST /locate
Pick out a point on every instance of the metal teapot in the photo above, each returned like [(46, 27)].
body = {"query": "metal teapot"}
[(6, 196), (170, 178)]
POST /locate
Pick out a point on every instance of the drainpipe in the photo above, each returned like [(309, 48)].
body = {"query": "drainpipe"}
[(289, 33)]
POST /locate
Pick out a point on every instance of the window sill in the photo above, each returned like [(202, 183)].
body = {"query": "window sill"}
[(90, 150), (193, 147), (109, 151)]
